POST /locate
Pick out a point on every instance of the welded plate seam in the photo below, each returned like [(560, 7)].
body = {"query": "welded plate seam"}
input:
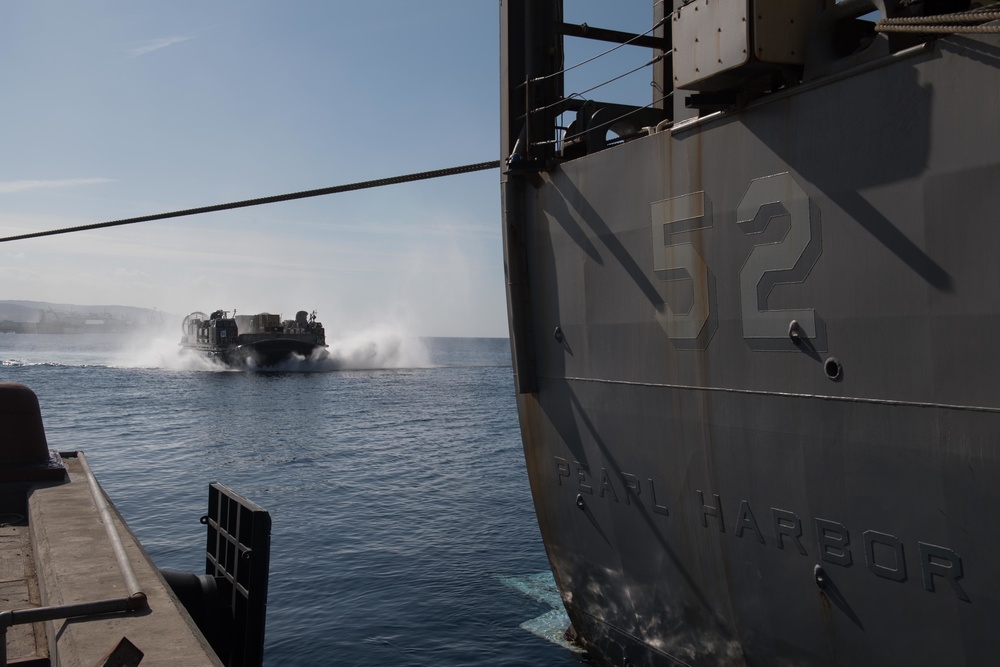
[(784, 394)]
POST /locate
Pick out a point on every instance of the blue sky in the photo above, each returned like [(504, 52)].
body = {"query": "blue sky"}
[(119, 109)]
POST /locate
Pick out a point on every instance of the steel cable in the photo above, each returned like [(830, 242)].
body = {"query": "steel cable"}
[(362, 185), (942, 23), (601, 55)]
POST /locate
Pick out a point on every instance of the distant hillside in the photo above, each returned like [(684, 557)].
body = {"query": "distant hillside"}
[(62, 318), (16, 312), (31, 311)]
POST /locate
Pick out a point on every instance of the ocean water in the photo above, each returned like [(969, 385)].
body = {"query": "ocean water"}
[(403, 531)]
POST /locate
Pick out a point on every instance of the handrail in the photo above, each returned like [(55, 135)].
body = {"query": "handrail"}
[(134, 601), (124, 564), (38, 614)]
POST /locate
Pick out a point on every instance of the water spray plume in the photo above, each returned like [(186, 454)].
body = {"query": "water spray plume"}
[(378, 347)]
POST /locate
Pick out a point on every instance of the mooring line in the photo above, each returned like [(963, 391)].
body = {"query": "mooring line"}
[(362, 185)]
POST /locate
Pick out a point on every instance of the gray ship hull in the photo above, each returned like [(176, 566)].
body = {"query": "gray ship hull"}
[(757, 386)]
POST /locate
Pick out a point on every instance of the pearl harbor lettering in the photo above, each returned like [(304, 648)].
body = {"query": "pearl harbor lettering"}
[(881, 553), (631, 483)]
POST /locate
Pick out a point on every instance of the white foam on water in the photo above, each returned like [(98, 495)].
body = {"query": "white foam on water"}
[(164, 352), (383, 346), (551, 625), (378, 347)]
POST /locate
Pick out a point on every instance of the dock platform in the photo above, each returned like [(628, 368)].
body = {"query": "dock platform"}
[(60, 559)]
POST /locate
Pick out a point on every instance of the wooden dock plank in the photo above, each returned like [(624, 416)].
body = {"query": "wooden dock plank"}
[(19, 590), (14, 543)]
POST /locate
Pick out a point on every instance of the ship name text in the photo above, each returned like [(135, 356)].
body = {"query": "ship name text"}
[(882, 553)]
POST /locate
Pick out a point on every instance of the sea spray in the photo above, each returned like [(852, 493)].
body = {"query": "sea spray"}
[(163, 352), (378, 347), (382, 346)]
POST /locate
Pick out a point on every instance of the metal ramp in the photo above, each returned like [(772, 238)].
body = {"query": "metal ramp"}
[(237, 556)]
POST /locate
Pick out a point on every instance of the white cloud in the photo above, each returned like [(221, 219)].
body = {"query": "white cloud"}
[(157, 44), (20, 186)]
